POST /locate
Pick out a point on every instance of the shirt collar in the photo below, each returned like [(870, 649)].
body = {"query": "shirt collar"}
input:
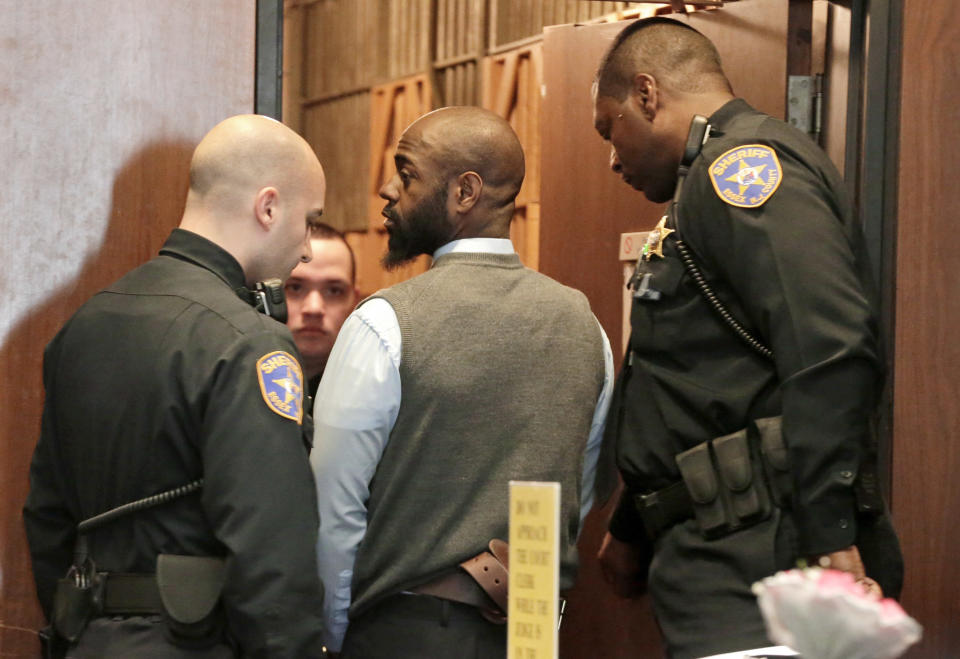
[(188, 246), (728, 111), (476, 245)]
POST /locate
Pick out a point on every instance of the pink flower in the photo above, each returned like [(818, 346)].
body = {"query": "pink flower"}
[(825, 614)]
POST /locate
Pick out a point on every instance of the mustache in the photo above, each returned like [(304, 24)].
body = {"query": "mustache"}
[(390, 212)]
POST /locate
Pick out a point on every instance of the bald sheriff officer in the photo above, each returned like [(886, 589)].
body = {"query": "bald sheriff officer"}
[(169, 376)]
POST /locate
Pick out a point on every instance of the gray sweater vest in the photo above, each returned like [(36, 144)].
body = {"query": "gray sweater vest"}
[(500, 373)]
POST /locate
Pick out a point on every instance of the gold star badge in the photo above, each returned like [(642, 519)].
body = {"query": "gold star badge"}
[(289, 386), (654, 244), (746, 176)]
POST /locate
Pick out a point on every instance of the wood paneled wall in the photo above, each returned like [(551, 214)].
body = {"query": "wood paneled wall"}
[(514, 20), (332, 128), (459, 47), (409, 42), (342, 54), (341, 46), (926, 415), (512, 87), (395, 105), (98, 119)]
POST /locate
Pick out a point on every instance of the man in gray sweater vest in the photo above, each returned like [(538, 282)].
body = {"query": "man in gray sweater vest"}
[(505, 375)]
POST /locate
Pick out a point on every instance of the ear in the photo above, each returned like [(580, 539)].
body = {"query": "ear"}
[(265, 207), (469, 186), (645, 94)]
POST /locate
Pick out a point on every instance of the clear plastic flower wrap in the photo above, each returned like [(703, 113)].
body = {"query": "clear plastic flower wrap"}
[(825, 614)]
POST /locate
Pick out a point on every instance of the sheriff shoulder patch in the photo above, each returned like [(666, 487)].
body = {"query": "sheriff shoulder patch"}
[(281, 383), (747, 175)]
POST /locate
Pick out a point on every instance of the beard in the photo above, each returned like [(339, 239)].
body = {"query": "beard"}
[(422, 231)]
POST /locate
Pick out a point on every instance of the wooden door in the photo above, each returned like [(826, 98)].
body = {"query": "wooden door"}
[(585, 208), (101, 104), (926, 412)]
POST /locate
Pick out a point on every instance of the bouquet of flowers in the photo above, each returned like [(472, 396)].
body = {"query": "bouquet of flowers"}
[(825, 614)]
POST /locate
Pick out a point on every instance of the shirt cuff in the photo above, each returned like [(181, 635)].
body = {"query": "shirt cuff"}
[(827, 526), (338, 612)]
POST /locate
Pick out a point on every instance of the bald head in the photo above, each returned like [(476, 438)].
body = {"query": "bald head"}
[(463, 139), (459, 171), (248, 152), (255, 187), (677, 56)]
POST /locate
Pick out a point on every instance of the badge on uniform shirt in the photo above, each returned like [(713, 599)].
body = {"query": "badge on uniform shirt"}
[(747, 175), (654, 243), (281, 383)]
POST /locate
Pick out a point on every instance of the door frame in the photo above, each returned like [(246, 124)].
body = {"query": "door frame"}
[(268, 88), (871, 171)]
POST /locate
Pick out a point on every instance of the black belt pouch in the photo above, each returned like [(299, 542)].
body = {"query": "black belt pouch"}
[(700, 477), (190, 588), (743, 477)]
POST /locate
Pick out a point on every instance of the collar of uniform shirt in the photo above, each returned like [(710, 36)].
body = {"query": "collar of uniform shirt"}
[(485, 245)]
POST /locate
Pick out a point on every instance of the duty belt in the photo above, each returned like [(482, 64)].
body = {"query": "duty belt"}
[(728, 483), (86, 593), (662, 509), (130, 594)]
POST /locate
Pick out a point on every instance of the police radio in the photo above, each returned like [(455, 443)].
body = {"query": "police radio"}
[(696, 138), (269, 299)]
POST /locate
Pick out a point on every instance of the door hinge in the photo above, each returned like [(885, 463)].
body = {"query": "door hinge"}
[(805, 104)]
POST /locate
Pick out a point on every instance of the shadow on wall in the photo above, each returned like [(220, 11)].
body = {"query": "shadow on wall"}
[(148, 195)]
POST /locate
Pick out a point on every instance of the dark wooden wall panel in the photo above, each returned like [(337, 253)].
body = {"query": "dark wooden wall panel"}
[(342, 44), (584, 206), (514, 20), (337, 130), (101, 104), (926, 418)]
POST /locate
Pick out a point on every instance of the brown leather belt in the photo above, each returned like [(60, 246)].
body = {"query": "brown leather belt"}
[(480, 581)]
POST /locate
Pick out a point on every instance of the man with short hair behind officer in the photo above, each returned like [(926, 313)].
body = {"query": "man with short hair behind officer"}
[(742, 448), (170, 376), (320, 295), (438, 392)]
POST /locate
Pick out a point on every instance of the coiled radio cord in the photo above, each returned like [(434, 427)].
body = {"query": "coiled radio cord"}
[(88, 525), (694, 271)]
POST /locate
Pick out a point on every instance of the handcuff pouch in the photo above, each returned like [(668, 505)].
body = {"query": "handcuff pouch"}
[(741, 474), (190, 588)]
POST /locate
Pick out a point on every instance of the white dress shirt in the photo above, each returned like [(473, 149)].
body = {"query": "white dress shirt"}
[(355, 410)]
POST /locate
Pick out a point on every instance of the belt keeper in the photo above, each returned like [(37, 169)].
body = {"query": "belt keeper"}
[(651, 512)]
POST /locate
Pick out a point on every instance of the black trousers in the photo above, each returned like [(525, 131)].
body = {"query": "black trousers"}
[(138, 636), (700, 589), (408, 626)]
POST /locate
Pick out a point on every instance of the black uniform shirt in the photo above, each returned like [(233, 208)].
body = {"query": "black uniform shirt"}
[(165, 377), (789, 263)]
